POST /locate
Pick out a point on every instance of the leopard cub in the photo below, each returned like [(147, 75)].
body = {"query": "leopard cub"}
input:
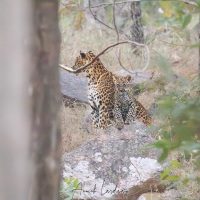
[(127, 108)]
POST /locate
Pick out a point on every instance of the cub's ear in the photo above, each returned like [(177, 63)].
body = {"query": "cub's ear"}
[(128, 77), (83, 55)]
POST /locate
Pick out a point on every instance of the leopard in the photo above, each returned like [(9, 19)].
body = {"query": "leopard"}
[(101, 89), (127, 108), (108, 96)]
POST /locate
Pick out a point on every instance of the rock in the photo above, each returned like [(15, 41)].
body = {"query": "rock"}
[(87, 122), (115, 165), (73, 87), (142, 198), (171, 194)]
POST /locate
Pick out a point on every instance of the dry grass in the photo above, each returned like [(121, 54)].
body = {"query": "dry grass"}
[(72, 134)]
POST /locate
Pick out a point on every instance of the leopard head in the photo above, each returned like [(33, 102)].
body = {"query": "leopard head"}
[(121, 83), (80, 61), (83, 59)]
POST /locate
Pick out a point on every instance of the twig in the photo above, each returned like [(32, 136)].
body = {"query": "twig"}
[(190, 2), (94, 16), (108, 4), (119, 60), (169, 43), (102, 4), (136, 170), (114, 22), (106, 25), (120, 63), (102, 52)]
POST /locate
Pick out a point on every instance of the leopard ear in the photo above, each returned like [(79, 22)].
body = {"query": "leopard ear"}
[(83, 55), (128, 77)]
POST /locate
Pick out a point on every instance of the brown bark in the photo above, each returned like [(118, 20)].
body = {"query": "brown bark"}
[(29, 102), (137, 34), (199, 46), (45, 136)]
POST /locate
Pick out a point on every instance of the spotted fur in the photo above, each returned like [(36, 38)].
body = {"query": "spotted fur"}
[(101, 89), (109, 96), (126, 107)]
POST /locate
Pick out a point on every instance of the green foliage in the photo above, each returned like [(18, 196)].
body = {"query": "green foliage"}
[(198, 2), (67, 188), (179, 111), (164, 176), (186, 20), (175, 13), (183, 114)]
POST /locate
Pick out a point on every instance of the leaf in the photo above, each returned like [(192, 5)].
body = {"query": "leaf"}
[(175, 163), (164, 155), (194, 21), (172, 178), (75, 183), (159, 144), (186, 20), (166, 172), (198, 2)]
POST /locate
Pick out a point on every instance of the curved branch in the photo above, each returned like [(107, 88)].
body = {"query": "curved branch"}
[(102, 52)]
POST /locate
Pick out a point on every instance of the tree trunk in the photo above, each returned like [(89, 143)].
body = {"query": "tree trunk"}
[(30, 95), (45, 136), (199, 46), (137, 34)]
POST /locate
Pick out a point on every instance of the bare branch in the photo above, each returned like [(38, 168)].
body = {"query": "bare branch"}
[(114, 22), (190, 2), (119, 60), (97, 18), (118, 2), (100, 5), (119, 31), (102, 52), (123, 67)]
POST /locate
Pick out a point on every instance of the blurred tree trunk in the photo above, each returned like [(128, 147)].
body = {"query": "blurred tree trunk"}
[(29, 102), (15, 63), (199, 46), (45, 136), (137, 33)]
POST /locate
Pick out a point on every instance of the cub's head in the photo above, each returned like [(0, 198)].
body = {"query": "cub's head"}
[(121, 83)]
